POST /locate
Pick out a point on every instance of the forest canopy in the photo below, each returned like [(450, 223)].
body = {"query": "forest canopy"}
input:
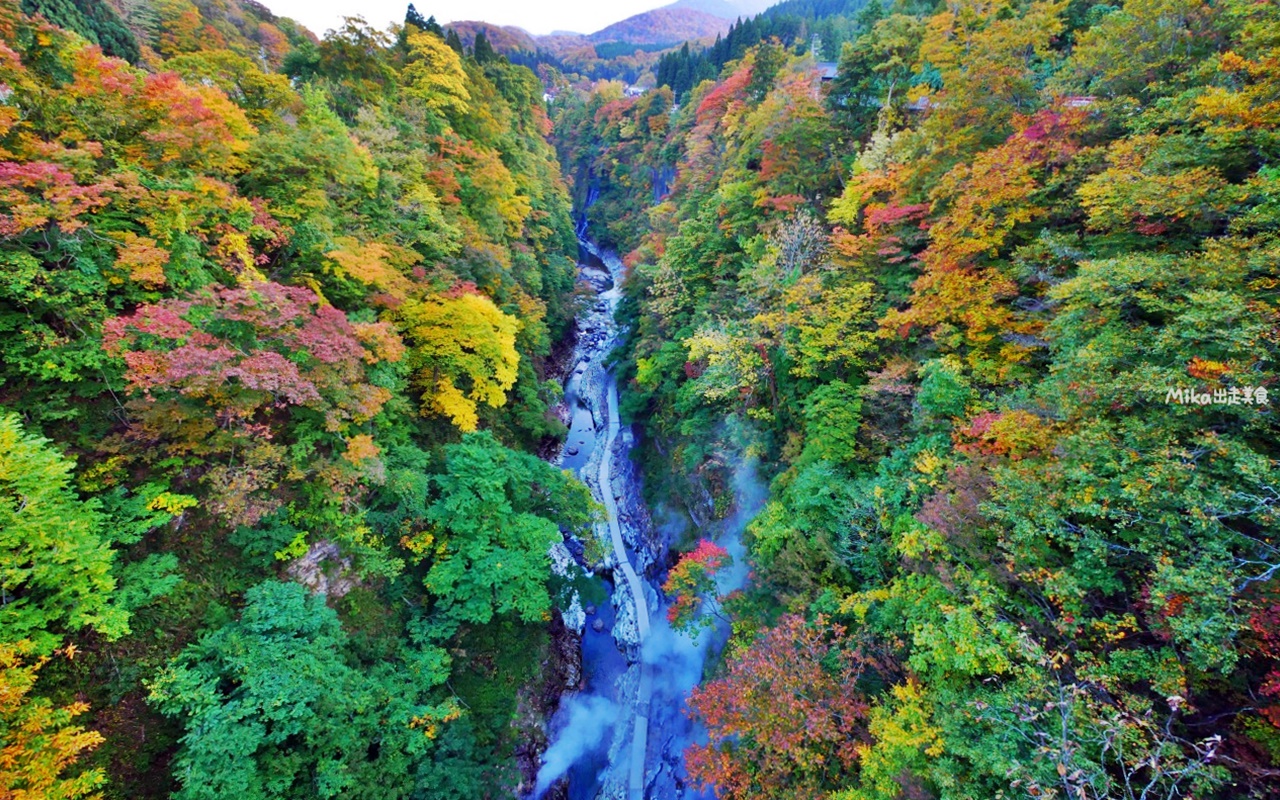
[(258, 289), (985, 289), (995, 307)]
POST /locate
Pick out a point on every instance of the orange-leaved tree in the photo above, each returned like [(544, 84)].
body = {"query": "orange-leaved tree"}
[(39, 741)]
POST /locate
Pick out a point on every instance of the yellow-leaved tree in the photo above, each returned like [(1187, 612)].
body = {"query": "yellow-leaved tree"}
[(463, 354), (39, 741), (434, 75)]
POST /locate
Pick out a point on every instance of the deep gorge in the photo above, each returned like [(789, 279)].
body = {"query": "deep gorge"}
[(799, 412)]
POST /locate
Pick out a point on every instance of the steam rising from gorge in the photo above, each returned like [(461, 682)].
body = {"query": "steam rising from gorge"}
[(588, 718), (677, 661)]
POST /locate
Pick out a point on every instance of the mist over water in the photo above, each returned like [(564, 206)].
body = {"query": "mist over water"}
[(588, 718), (680, 659), (591, 734), (586, 722), (681, 656)]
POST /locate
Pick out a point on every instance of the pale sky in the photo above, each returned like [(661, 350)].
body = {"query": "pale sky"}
[(535, 16)]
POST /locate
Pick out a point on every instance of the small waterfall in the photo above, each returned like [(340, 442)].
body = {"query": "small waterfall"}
[(661, 179), (580, 225)]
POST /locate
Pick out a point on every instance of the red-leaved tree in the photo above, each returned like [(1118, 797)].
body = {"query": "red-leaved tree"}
[(691, 584), (786, 720), (231, 377)]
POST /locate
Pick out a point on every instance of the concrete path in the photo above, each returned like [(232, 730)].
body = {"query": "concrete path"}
[(640, 736)]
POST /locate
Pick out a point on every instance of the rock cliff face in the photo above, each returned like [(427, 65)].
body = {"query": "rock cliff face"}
[(561, 673)]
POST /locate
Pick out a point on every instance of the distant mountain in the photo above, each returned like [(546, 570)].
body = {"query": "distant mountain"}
[(652, 29), (663, 26), (815, 9), (504, 38), (725, 9)]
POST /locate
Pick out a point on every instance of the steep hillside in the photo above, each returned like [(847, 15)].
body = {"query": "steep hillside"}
[(166, 28), (95, 20), (926, 404), (275, 327), (995, 310)]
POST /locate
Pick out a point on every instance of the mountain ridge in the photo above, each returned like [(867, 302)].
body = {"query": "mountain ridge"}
[(660, 26), (725, 9), (651, 30), (668, 25)]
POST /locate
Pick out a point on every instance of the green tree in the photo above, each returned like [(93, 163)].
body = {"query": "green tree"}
[(482, 51), (273, 709), (413, 17), (495, 514), (55, 560), (95, 20)]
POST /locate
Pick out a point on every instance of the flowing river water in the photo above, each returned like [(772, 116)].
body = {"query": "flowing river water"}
[(622, 733)]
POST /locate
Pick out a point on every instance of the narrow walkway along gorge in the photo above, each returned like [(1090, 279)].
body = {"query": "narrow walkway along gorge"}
[(623, 733), (640, 734), (606, 760), (592, 394)]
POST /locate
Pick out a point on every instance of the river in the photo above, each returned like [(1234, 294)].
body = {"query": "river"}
[(622, 734)]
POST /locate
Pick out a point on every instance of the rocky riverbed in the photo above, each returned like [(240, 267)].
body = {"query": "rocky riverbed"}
[(619, 734)]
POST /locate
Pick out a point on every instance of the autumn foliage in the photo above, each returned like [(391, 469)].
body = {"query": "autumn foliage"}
[(247, 352), (279, 324), (238, 260), (39, 742), (949, 296), (228, 370), (692, 582), (787, 719)]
